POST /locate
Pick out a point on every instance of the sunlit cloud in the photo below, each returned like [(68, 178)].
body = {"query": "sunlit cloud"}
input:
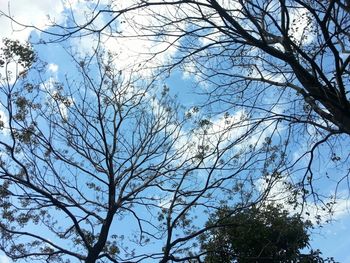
[(53, 68), (279, 192), (36, 13), (4, 259)]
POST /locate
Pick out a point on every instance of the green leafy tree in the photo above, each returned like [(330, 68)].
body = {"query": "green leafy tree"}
[(259, 235)]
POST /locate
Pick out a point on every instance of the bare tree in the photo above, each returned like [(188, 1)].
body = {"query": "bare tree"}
[(105, 167), (282, 62), (296, 45)]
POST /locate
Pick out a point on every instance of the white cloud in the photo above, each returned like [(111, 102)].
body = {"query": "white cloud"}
[(211, 135), (300, 29), (53, 68), (166, 202), (35, 13), (4, 259), (54, 97), (280, 193), (4, 123), (133, 53)]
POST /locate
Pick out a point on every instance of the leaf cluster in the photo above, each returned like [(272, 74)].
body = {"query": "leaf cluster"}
[(23, 54), (257, 234)]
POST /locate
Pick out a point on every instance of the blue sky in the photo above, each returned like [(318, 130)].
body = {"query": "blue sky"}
[(332, 239)]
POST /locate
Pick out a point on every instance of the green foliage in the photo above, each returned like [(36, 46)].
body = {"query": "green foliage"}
[(13, 50), (267, 234)]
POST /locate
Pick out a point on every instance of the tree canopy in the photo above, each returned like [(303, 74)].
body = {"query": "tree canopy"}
[(264, 234), (284, 63), (106, 144), (106, 167)]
